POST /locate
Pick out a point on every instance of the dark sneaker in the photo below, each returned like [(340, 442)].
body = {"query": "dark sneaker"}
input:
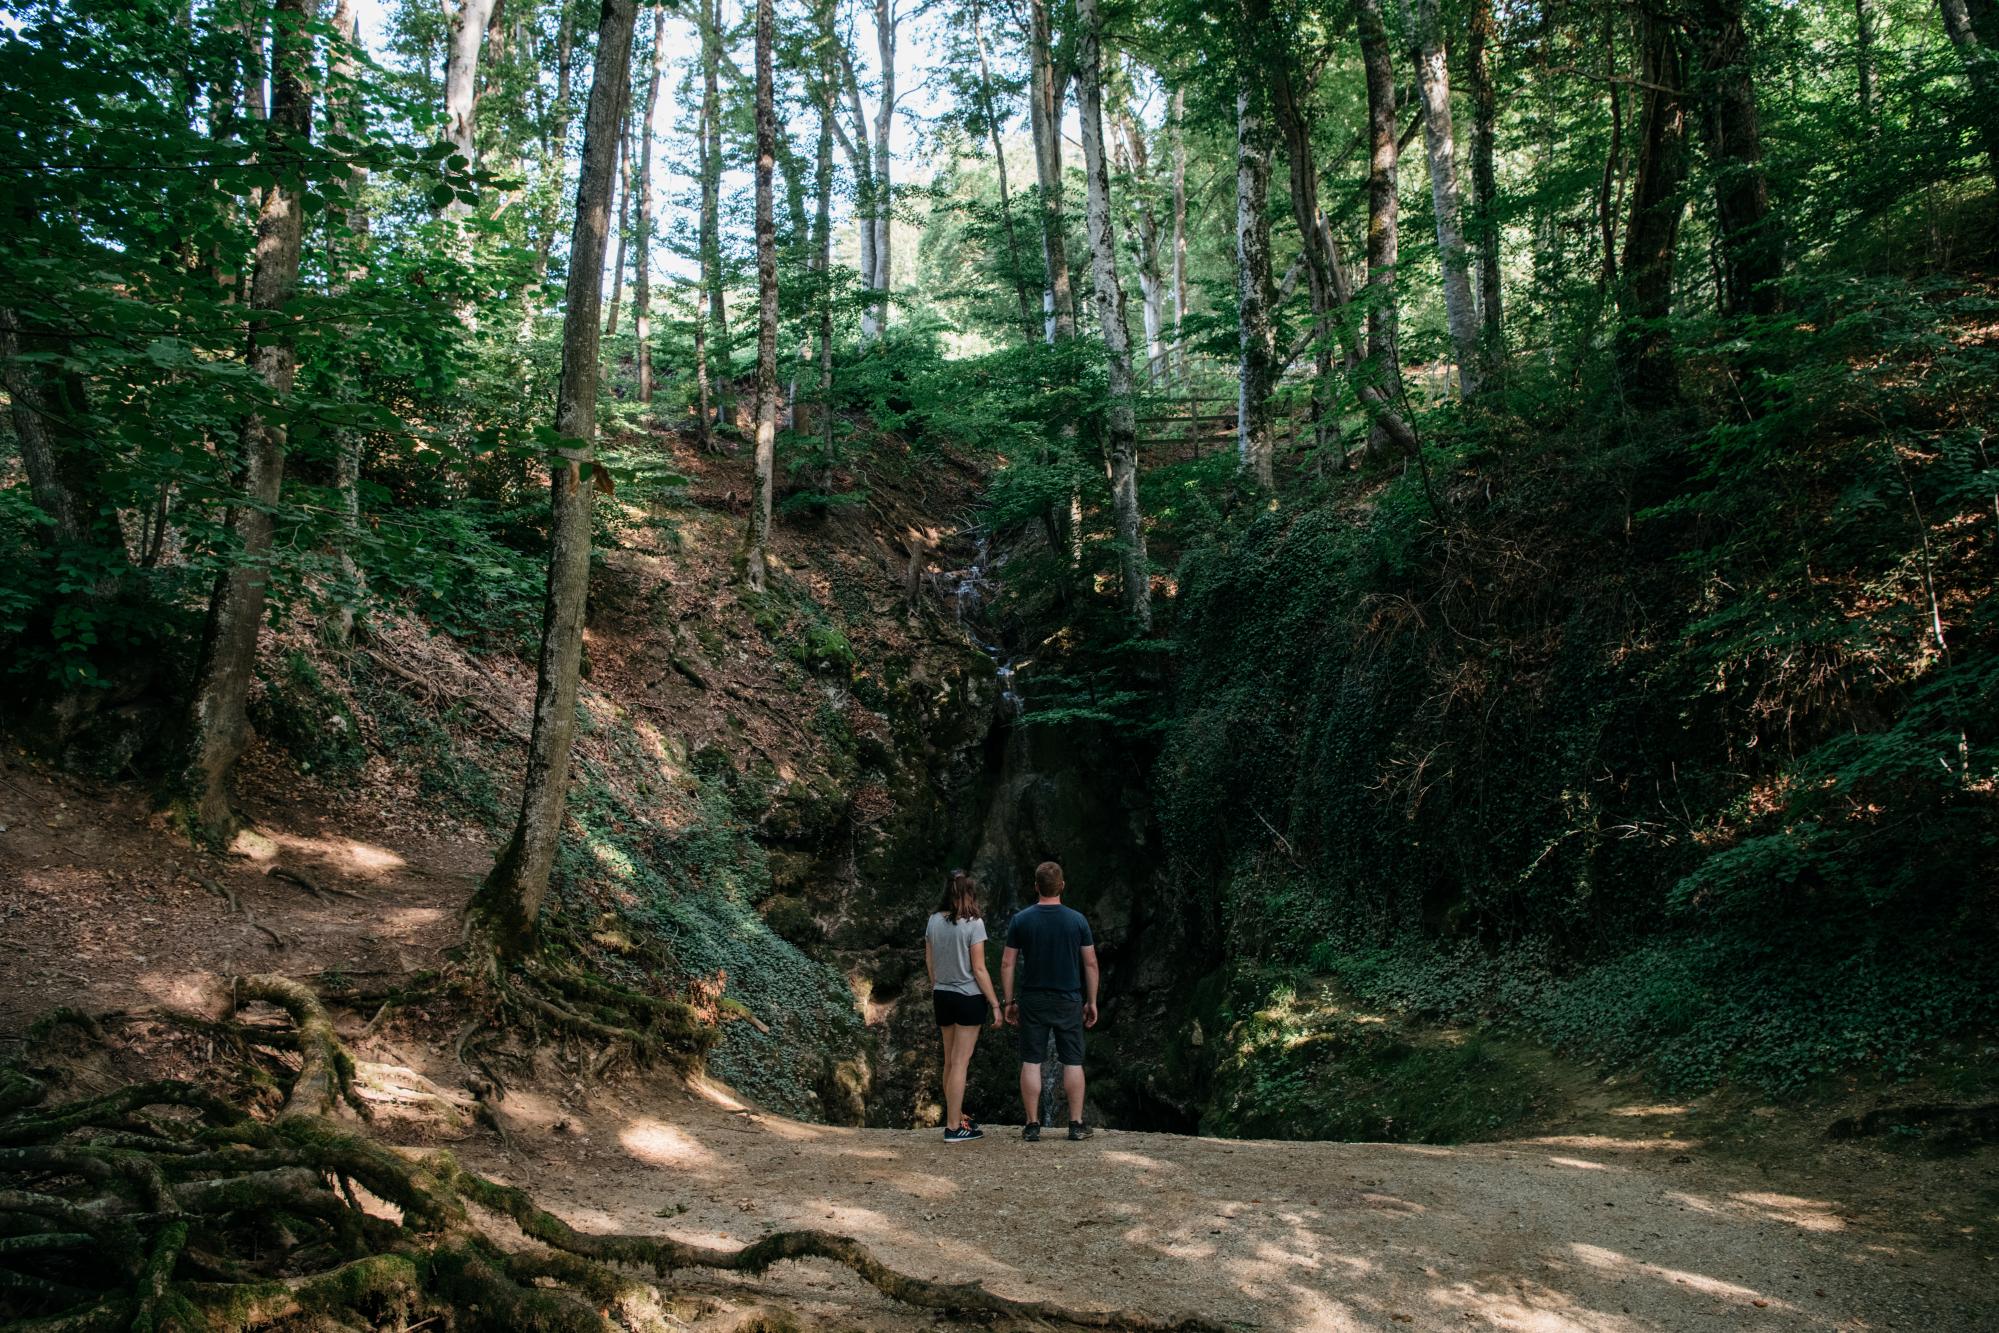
[(1031, 1132), (1078, 1131), (963, 1135)]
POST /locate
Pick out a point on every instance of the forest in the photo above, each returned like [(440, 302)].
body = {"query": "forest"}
[(538, 533)]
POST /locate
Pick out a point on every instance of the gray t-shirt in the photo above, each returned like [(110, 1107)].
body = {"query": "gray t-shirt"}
[(951, 945)]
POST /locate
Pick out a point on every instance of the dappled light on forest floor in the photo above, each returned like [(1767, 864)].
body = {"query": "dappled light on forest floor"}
[(1289, 1236)]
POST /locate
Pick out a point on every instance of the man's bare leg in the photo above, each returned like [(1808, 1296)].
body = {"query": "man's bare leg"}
[(1030, 1091), (1072, 1083)]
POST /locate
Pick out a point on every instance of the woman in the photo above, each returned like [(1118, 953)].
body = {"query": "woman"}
[(954, 953)]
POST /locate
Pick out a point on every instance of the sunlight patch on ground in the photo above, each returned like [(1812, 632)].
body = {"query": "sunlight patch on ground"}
[(1662, 1108), (719, 1093), (1611, 1261), (1605, 1143), (1578, 1163), (1531, 1308), (1806, 1214), (365, 859), (1695, 1202), (658, 1144), (1136, 1159)]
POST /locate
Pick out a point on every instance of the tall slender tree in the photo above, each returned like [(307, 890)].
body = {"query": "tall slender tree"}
[(1048, 81), (713, 279), (467, 24), (1134, 163), (1658, 201), (1255, 291), (756, 560), (1179, 116), (642, 215), (1384, 357), (218, 729), (1121, 426), (1752, 241), (1485, 184), (509, 901), (989, 111), (1433, 86), (348, 213), (1974, 43), (621, 215)]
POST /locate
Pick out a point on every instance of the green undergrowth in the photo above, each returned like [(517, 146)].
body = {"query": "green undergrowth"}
[(1671, 741), (1305, 1061)]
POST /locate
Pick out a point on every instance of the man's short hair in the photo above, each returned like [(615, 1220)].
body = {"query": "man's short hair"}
[(1048, 879)]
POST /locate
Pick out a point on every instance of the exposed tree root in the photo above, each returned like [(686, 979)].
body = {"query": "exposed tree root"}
[(160, 1206)]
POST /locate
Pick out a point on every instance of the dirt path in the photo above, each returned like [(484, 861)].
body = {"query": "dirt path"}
[(1553, 1234), (99, 907)]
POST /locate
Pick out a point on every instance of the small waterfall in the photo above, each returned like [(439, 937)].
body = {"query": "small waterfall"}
[(971, 589)]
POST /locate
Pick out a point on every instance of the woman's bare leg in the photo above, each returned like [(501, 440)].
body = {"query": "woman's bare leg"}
[(968, 1041), (954, 1077)]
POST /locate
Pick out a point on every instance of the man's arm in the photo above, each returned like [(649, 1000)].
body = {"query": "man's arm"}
[(1089, 952), (1007, 960)]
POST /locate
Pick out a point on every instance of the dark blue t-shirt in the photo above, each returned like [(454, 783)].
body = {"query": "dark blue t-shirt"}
[(1049, 937)]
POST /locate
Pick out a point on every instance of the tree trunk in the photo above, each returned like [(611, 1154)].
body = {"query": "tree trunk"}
[(1652, 232), (1320, 264), (1145, 228), (1121, 427), (1863, 57), (623, 214), (347, 209), (1433, 85), (1254, 289), (47, 487), (822, 222), (720, 362), (467, 29), (1326, 274), (1613, 161), (883, 214), (218, 723), (1180, 232), (1981, 71), (861, 159), (986, 99), (1058, 301), (642, 233), (1485, 187), (1384, 360), (756, 544), (1751, 242), (510, 899)]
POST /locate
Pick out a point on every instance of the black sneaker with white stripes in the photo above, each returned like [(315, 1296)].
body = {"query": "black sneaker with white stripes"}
[(963, 1135)]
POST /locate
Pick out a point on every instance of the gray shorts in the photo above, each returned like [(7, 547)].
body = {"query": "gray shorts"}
[(1046, 1012)]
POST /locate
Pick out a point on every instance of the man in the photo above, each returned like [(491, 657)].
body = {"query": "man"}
[(1051, 952)]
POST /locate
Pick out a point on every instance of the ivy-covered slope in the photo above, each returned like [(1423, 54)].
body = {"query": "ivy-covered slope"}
[(1673, 739)]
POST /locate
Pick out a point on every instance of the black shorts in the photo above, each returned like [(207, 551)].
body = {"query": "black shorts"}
[(956, 1010), (1044, 1013)]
